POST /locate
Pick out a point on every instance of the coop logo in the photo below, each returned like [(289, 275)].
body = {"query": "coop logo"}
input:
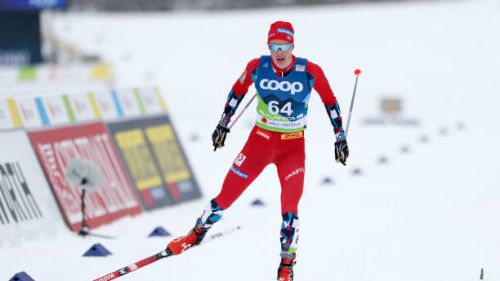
[(285, 86)]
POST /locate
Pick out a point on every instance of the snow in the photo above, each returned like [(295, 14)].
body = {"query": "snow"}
[(429, 214)]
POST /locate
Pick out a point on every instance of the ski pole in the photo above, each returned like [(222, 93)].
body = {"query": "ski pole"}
[(357, 72), (163, 254), (241, 112)]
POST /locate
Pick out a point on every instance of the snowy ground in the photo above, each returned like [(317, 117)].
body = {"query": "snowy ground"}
[(429, 214)]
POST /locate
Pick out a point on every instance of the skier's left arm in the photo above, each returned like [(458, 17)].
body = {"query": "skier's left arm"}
[(319, 82), (236, 95)]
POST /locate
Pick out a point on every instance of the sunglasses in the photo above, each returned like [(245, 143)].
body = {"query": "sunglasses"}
[(282, 47)]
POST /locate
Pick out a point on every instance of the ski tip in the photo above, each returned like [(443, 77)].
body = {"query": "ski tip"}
[(357, 71)]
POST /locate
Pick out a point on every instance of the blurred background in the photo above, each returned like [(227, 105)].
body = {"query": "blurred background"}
[(145, 83)]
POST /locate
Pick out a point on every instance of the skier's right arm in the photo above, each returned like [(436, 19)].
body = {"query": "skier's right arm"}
[(236, 95)]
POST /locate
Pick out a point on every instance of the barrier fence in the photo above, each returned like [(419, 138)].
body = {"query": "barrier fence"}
[(127, 133)]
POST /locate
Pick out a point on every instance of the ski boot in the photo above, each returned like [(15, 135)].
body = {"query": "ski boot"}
[(184, 243), (285, 271)]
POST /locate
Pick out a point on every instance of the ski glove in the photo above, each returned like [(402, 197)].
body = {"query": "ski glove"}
[(341, 151), (219, 136)]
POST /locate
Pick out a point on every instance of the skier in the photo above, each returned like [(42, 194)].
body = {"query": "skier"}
[(283, 84)]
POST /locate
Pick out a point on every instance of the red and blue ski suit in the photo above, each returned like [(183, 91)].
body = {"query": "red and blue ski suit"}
[(278, 136)]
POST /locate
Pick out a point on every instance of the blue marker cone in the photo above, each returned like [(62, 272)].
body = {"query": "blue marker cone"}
[(357, 172), (159, 231), (21, 276), (327, 181), (382, 160), (423, 139), (258, 203), (404, 149), (97, 250)]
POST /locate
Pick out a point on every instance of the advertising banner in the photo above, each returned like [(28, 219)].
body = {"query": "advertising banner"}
[(115, 197), (80, 107), (151, 100), (20, 34), (28, 108), (54, 109), (31, 4), (155, 160), (106, 105), (5, 115), (28, 210), (129, 102)]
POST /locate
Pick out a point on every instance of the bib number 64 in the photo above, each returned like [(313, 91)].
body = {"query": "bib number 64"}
[(275, 109)]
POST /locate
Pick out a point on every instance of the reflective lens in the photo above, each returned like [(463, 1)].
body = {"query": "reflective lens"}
[(282, 47)]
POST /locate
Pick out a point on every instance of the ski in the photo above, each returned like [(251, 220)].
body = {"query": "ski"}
[(98, 235), (163, 254)]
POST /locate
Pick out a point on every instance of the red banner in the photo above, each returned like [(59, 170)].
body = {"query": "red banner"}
[(115, 197)]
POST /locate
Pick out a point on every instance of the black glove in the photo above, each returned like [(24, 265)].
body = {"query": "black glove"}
[(219, 136), (341, 151)]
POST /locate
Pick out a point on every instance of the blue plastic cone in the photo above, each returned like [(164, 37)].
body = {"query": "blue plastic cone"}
[(159, 231), (97, 250), (327, 181), (382, 160), (404, 149), (357, 172), (21, 276), (423, 139), (443, 131), (258, 202)]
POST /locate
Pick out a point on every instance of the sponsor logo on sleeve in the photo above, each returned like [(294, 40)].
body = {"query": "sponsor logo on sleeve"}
[(238, 172), (240, 159)]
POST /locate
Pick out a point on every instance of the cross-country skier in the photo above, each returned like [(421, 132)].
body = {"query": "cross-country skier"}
[(284, 83)]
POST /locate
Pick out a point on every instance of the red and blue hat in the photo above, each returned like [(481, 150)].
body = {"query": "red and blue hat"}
[(281, 30)]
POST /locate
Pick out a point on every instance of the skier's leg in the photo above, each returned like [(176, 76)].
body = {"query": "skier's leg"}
[(246, 167), (291, 171), (254, 157), (212, 214), (289, 235)]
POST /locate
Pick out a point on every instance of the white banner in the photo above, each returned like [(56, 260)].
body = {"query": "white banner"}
[(5, 117), (55, 110), (105, 105), (151, 100), (81, 105), (129, 103), (28, 210), (28, 111)]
